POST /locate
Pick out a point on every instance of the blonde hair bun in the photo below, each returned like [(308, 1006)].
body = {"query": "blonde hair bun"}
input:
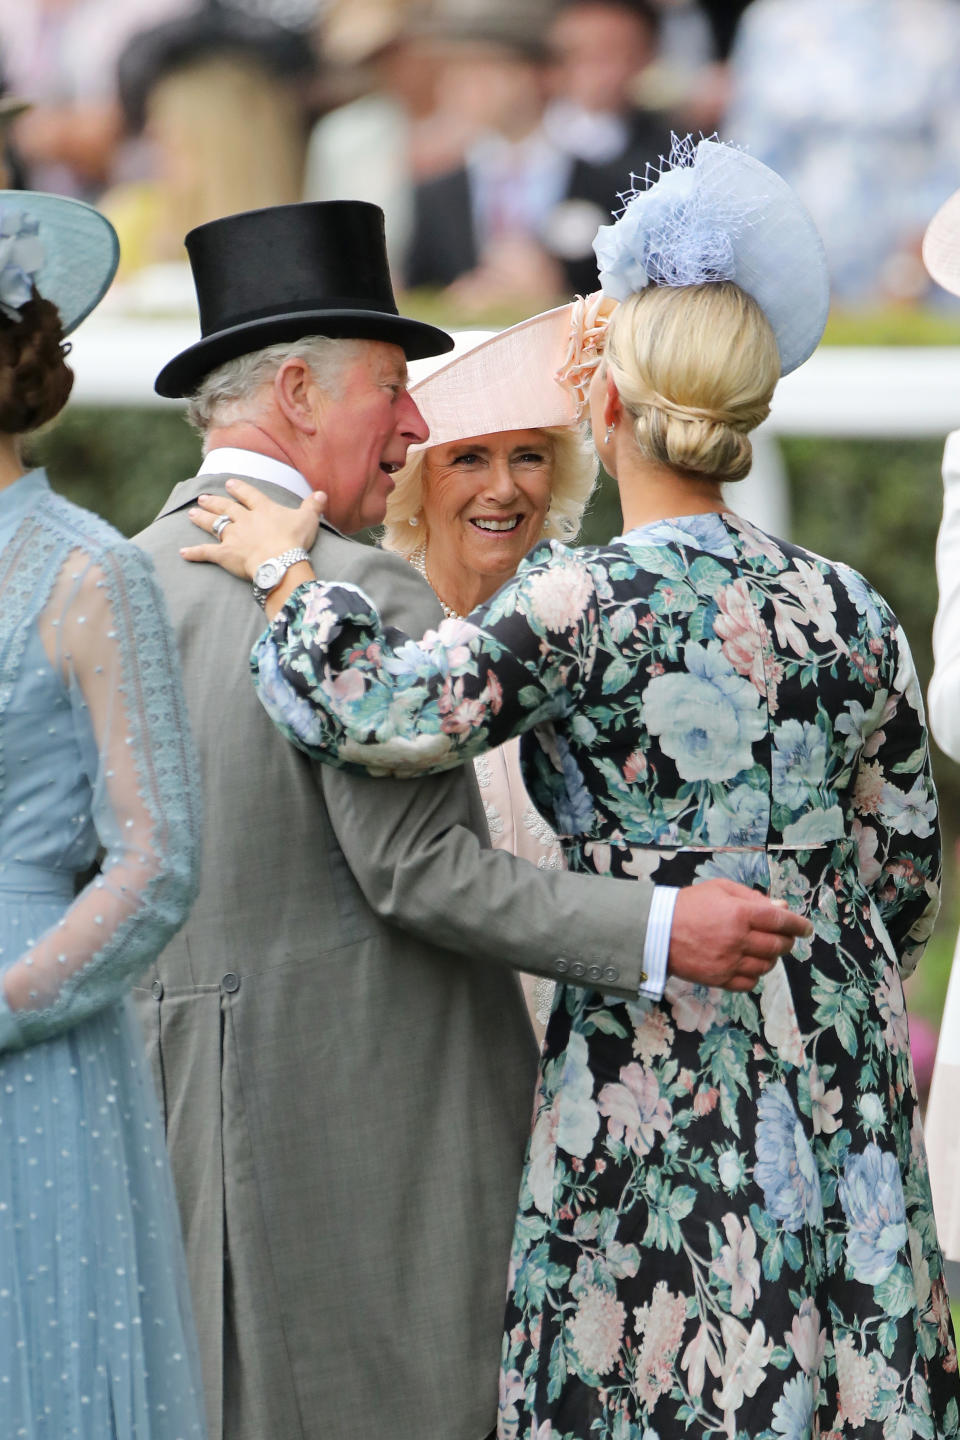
[(695, 368)]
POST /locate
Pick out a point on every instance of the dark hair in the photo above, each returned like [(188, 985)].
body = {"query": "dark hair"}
[(35, 379)]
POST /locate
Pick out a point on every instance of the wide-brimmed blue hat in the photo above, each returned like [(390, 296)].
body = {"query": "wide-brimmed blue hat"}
[(65, 249), (712, 212)]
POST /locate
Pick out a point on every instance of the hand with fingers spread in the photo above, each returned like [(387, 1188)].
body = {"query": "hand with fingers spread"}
[(248, 528), (728, 935)]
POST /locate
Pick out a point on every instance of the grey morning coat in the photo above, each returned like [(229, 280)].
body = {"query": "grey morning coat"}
[(341, 1046)]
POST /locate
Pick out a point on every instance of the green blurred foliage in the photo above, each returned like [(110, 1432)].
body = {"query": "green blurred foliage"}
[(894, 325), (874, 504), (121, 463)]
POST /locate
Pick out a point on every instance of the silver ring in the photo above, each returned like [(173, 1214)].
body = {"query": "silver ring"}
[(220, 524)]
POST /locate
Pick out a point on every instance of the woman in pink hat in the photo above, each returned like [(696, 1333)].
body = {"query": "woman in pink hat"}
[(467, 507)]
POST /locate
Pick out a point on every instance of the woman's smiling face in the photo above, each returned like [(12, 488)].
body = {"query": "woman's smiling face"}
[(485, 500)]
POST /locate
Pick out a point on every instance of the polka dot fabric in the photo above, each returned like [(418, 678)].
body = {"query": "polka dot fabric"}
[(96, 1338)]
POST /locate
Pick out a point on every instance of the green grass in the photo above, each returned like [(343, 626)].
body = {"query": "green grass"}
[(894, 325)]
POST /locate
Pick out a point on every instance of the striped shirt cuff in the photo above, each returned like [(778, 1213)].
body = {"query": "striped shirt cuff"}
[(656, 947)]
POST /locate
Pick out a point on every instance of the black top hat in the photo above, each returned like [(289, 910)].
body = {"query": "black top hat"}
[(263, 276)]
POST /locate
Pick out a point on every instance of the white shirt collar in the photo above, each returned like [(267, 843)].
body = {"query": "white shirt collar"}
[(231, 460)]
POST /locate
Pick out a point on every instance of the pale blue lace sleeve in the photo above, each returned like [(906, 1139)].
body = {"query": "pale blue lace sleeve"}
[(105, 626)]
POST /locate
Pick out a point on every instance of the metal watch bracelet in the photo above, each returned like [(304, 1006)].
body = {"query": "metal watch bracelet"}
[(271, 572)]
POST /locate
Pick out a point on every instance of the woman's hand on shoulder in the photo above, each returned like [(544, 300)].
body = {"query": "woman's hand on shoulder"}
[(257, 529)]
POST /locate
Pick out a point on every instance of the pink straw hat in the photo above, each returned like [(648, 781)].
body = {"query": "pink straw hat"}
[(531, 376)]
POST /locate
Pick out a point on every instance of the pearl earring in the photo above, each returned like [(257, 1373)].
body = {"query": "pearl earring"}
[(414, 519)]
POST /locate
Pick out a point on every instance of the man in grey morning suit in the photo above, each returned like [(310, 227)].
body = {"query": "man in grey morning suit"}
[(339, 1039)]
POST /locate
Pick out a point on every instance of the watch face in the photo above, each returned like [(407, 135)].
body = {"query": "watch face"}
[(268, 575)]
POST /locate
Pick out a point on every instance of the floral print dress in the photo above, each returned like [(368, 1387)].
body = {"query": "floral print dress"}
[(724, 1225)]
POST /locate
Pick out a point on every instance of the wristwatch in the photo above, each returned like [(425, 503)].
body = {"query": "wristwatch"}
[(271, 572)]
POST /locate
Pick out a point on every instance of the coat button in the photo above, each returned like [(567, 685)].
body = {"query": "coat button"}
[(156, 989), (578, 969), (611, 973), (562, 966), (595, 973), (230, 983)]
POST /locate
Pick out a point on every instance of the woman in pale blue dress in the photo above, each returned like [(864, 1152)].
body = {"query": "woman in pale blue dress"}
[(98, 853)]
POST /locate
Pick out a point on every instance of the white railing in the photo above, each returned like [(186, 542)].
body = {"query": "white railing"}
[(840, 391)]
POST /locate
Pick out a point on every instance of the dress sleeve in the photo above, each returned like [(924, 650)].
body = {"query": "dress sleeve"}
[(945, 685), (105, 630), (895, 808), (360, 695)]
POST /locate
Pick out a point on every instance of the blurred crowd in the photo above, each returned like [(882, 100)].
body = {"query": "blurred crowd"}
[(496, 134)]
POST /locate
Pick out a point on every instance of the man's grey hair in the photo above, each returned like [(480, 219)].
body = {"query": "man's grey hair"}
[(231, 392)]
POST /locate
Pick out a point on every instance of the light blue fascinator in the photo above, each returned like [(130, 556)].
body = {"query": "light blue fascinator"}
[(68, 250), (711, 212)]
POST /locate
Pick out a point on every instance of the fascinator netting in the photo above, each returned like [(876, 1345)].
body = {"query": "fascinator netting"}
[(711, 212)]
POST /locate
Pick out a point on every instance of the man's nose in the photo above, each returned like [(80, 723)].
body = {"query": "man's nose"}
[(411, 423)]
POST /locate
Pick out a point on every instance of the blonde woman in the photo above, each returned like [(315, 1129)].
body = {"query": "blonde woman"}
[(724, 1223), (467, 508)]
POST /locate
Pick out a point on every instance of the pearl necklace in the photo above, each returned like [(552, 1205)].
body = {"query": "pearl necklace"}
[(418, 559)]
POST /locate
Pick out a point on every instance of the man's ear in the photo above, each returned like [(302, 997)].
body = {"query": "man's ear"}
[(295, 391)]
